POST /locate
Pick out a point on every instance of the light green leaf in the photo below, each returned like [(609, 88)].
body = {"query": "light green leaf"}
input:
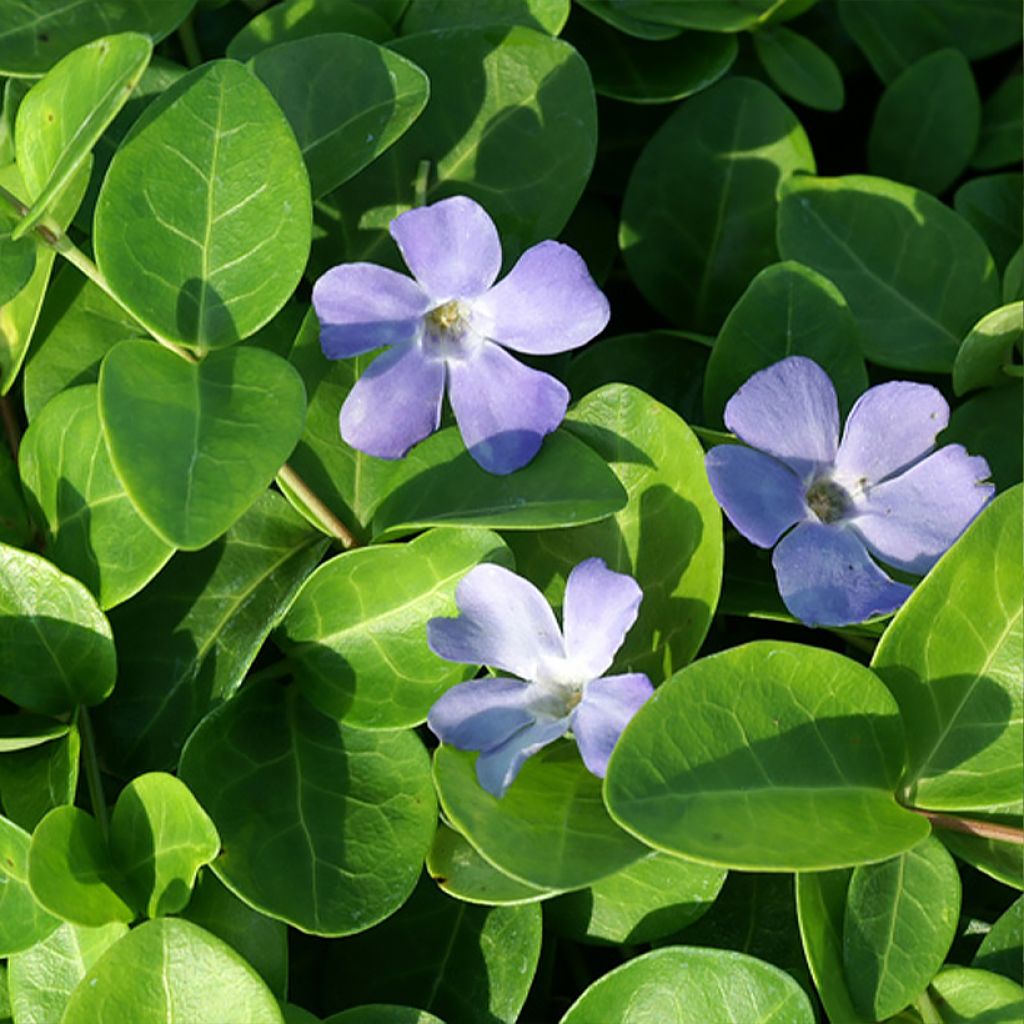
[(209, 251), (35, 780), (687, 985), (994, 206), (196, 444), (23, 922), (915, 274), (966, 995), (549, 830), (91, 527), (356, 633), (323, 826), (426, 15), (174, 972), (988, 348), (21, 732), (1002, 949), (63, 116), (734, 754), (799, 68), (691, 251), (1002, 126), (340, 129)]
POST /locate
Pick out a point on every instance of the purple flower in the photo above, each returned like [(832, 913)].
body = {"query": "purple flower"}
[(505, 622), (452, 325), (883, 489)]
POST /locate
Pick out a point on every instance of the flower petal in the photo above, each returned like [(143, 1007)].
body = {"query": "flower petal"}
[(607, 706), (480, 714), (910, 520), (452, 247), (826, 578), (547, 303), (503, 409), (600, 608), (788, 410), (503, 622), (761, 496), (361, 307), (496, 769), (394, 404), (890, 427)]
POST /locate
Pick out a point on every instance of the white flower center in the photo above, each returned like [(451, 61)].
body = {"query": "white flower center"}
[(448, 331)]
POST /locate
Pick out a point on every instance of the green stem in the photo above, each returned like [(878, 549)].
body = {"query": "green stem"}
[(973, 827), (928, 1010), (92, 771), (11, 426), (420, 184), (1013, 370), (189, 42)]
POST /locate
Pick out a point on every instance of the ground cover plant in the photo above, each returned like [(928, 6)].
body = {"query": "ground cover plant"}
[(510, 510)]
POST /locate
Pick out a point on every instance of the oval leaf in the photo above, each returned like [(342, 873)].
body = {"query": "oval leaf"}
[(799, 68), (23, 921), (989, 348)]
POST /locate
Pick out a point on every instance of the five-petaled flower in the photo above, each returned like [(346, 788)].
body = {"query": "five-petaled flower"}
[(451, 324), (506, 623), (883, 489)]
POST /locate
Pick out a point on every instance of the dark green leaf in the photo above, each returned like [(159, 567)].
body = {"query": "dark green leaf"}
[(35, 780), (1002, 949), (1002, 126), (425, 15), (979, 424), (800, 68), (994, 206)]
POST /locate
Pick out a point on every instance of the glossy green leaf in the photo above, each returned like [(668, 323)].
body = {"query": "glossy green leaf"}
[(979, 424), (915, 274), (988, 348), (208, 262), (20, 732), (23, 922), (668, 537), (426, 15), (35, 780), (43, 977), (17, 258), (323, 826), (300, 19), (951, 657), (550, 829), (340, 129), (687, 985), (57, 644), (1013, 277), (63, 116), (704, 14), (788, 309), (737, 751), (1002, 126), (186, 642), (439, 484), (965, 995), (799, 68), (927, 122), (647, 900), (465, 964), (995, 858), (691, 251), (382, 1013), (994, 206), (175, 972), (899, 923), (511, 122), (72, 873), (356, 634), (220, 429), (617, 14), (1002, 949), (91, 527), (16, 526)]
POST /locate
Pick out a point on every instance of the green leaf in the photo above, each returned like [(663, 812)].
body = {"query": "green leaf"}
[(647, 900), (994, 206), (35, 780), (638, 71), (439, 484), (950, 658), (465, 964), (915, 274), (63, 116), (72, 873), (979, 424), (927, 123), (705, 14), (382, 1013), (14, 90), (737, 748), (35, 36), (799, 68), (691, 251), (23, 922), (43, 977), (550, 829), (300, 19), (1002, 126), (788, 309), (21, 732), (988, 348), (1013, 277), (965, 995), (186, 642), (175, 972), (900, 919), (196, 443), (616, 13), (687, 985), (994, 857), (17, 258), (340, 129), (426, 15), (209, 251), (1002, 949), (668, 537), (91, 527), (16, 527), (323, 826), (460, 871), (356, 634), (58, 649), (511, 122)]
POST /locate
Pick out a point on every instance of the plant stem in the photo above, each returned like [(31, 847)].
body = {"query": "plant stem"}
[(11, 426), (973, 827), (189, 42), (927, 1009), (92, 771), (317, 508)]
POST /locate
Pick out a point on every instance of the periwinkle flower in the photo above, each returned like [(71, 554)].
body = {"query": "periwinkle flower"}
[(883, 490), (450, 324), (506, 623)]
